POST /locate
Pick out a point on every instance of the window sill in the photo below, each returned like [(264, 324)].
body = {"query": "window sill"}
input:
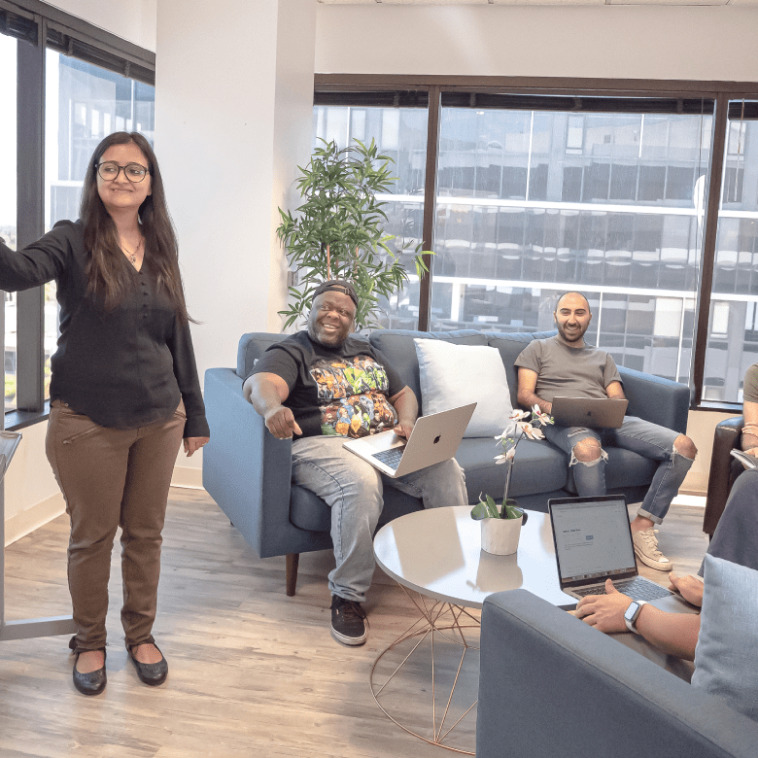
[(15, 420)]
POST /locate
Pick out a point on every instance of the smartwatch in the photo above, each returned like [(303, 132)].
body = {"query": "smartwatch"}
[(632, 614)]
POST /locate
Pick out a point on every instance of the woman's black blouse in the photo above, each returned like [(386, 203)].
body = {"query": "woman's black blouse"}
[(124, 368)]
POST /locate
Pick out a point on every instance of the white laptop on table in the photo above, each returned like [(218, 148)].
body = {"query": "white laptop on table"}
[(596, 413), (593, 542), (435, 438)]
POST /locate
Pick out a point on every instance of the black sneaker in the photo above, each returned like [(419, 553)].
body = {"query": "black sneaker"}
[(348, 625)]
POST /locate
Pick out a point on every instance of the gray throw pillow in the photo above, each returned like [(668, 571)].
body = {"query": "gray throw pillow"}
[(726, 663)]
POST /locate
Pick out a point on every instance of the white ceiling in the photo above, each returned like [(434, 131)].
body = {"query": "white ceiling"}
[(541, 2)]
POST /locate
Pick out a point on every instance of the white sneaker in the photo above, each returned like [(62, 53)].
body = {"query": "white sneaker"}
[(646, 549)]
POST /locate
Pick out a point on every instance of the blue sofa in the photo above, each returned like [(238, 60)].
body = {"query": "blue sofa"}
[(247, 471), (550, 685)]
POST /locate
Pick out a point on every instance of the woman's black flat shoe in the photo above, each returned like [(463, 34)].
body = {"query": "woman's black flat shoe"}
[(91, 683), (152, 674)]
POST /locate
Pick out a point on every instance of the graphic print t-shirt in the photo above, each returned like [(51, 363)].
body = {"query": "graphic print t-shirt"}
[(342, 391)]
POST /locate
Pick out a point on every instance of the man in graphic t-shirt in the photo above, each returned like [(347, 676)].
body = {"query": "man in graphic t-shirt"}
[(320, 386)]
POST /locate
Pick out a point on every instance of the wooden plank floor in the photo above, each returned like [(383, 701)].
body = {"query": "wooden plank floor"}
[(252, 672)]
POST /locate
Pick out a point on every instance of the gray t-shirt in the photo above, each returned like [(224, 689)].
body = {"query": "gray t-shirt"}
[(750, 386), (571, 371)]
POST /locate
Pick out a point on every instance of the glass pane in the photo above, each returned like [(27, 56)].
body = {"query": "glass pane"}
[(733, 328), (8, 200), (84, 104), (401, 134), (532, 203)]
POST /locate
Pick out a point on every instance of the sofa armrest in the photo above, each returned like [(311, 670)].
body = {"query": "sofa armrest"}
[(551, 685), (724, 470), (246, 470), (653, 398)]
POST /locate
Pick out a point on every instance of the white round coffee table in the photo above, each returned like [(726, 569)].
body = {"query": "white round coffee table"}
[(435, 555)]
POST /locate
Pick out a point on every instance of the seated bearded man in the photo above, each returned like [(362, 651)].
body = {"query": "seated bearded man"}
[(319, 386)]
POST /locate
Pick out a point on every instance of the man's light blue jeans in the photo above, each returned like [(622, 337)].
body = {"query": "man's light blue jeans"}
[(353, 489), (643, 437)]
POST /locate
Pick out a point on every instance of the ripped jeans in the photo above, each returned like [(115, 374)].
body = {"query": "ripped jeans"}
[(643, 437)]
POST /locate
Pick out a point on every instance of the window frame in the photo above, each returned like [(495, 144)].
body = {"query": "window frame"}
[(341, 89), (37, 27)]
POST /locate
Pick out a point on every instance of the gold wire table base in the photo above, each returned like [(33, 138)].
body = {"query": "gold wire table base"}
[(425, 647)]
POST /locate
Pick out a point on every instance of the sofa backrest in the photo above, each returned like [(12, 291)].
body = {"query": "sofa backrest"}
[(650, 397), (398, 346), (251, 347)]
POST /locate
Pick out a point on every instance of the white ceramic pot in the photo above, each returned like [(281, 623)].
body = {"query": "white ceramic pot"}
[(500, 535)]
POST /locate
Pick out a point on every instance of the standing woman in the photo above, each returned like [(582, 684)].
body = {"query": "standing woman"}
[(124, 392)]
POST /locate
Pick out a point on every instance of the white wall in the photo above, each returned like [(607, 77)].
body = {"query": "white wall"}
[(662, 42), (132, 20)]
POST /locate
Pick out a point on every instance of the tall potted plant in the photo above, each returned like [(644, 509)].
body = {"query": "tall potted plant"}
[(337, 232)]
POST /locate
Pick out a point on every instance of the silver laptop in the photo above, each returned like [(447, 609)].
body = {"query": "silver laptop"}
[(593, 542), (434, 439), (596, 413)]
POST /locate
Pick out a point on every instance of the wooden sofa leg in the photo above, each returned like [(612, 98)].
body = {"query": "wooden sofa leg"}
[(292, 560)]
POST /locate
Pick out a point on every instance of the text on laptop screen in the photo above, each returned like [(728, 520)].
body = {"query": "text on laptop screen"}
[(592, 539)]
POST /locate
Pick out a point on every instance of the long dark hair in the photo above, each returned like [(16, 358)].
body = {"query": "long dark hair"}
[(109, 279)]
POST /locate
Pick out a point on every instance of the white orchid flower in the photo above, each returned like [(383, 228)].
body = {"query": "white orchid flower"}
[(519, 415), (532, 432), (540, 416)]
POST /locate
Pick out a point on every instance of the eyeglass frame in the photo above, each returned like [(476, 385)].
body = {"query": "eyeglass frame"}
[(120, 169)]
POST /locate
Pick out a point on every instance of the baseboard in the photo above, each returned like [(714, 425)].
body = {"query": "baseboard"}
[(187, 476), (27, 521)]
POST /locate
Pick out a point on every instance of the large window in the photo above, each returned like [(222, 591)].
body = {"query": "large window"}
[(733, 326), (537, 192), (8, 200), (400, 133), (64, 86)]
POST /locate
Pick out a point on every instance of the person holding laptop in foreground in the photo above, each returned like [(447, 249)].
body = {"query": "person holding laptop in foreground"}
[(320, 386), (735, 540), (566, 365)]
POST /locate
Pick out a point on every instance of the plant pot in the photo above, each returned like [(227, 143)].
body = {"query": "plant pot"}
[(500, 535)]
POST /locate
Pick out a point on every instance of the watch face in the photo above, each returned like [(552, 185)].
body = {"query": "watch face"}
[(631, 611)]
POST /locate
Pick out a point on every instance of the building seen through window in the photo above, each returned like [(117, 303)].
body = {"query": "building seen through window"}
[(532, 201)]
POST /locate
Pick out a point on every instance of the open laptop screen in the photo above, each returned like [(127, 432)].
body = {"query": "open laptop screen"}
[(592, 538)]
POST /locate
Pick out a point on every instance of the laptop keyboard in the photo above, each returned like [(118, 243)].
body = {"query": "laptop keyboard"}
[(637, 588), (390, 457)]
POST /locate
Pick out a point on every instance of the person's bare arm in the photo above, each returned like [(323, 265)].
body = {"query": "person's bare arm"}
[(615, 390), (267, 391), (527, 396), (672, 633), (750, 429), (406, 405)]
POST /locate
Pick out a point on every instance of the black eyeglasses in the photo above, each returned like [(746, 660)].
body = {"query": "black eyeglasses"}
[(108, 171)]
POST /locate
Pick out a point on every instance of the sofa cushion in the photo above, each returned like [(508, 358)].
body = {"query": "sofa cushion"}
[(539, 467), (726, 663), (451, 375), (400, 352)]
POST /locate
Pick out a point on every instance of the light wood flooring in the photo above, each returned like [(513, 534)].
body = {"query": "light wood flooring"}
[(252, 672)]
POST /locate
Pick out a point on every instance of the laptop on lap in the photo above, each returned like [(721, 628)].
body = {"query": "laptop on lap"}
[(593, 542), (595, 413), (435, 438)]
